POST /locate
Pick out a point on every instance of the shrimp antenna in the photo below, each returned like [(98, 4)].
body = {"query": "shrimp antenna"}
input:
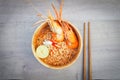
[(40, 15), (38, 22), (43, 19), (55, 10), (60, 13), (50, 15)]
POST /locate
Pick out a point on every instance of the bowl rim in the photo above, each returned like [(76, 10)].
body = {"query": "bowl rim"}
[(60, 67)]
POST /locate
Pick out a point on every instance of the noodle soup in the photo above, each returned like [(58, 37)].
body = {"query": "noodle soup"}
[(60, 55)]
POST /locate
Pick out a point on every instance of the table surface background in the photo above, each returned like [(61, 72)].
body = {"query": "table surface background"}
[(17, 18)]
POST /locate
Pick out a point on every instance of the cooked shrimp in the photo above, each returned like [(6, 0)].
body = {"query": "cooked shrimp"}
[(56, 29), (55, 24), (71, 39)]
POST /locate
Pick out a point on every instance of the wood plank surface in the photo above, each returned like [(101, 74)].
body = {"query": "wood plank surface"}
[(17, 18)]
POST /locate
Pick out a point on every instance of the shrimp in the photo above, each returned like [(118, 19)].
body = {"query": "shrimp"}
[(63, 29), (55, 25), (71, 39), (56, 28)]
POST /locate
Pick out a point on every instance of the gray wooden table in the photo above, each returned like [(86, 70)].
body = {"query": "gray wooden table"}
[(17, 18)]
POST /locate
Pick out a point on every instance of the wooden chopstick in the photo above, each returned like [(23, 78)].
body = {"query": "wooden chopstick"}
[(84, 53), (89, 54)]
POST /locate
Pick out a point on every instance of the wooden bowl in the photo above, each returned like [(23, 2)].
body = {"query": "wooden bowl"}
[(36, 33)]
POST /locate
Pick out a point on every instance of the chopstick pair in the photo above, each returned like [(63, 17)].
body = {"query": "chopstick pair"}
[(89, 54)]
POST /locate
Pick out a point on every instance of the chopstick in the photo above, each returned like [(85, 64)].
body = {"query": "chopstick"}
[(89, 54), (84, 53)]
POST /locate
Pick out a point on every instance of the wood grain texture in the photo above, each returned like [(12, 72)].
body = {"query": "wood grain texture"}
[(84, 53), (89, 53), (17, 18), (105, 39)]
